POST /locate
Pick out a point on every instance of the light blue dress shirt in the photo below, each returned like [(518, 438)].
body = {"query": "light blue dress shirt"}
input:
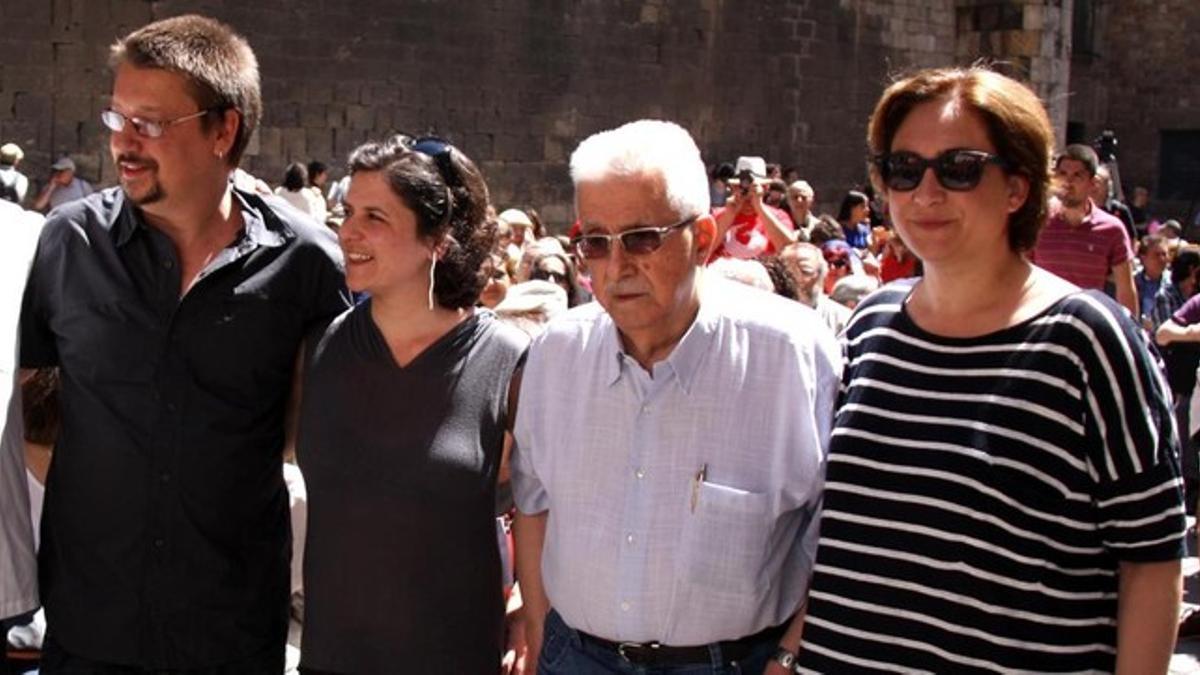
[(682, 503)]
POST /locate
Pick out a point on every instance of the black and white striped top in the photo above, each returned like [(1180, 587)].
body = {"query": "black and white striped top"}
[(981, 493)]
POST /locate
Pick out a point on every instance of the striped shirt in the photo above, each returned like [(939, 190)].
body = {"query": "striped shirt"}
[(1084, 254), (981, 493)]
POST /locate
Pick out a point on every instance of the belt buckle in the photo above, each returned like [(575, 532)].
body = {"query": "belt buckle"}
[(635, 645)]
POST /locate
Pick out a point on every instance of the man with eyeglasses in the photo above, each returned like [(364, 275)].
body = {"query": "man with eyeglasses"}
[(1081, 242), (175, 307), (668, 490)]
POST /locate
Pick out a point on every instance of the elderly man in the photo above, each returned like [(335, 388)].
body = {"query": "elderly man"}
[(800, 196), (668, 491), (806, 263), (175, 307)]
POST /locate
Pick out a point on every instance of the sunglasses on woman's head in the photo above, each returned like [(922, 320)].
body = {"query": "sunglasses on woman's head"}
[(956, 170), (637, 241)]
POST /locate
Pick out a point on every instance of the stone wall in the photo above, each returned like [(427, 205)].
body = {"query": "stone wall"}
[(1141, 78), (517, 83)]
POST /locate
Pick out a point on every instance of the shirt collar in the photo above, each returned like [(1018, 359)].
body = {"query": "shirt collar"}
[(126, 220), (685, 359)]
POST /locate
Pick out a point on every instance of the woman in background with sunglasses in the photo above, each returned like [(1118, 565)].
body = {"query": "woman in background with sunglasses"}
[(404, 413), (1002, 489)]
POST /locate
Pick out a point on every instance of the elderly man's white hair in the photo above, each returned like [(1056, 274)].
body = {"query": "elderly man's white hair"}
[(749, 272), (647, 147)]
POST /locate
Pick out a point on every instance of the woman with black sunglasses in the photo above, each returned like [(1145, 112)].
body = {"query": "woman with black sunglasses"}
[(1002, 489), (404, 414)]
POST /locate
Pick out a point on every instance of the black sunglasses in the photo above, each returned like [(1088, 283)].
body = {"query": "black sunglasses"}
[(637, 241), (548, 275), (956, 170), (439, 150)]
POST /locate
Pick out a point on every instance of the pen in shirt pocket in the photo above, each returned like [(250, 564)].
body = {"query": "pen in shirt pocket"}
[(699, 478)]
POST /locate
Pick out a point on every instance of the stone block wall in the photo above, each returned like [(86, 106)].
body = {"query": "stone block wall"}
[(1141, 78), (518, 83)]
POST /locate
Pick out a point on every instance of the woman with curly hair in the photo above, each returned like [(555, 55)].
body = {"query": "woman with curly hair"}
[(406, 405)]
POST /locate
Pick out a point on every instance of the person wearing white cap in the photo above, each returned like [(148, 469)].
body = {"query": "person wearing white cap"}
[(519, 224), (13, 184), (62, 186), (747, 227)]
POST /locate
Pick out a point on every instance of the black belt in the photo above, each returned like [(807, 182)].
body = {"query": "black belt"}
[(658, 654)]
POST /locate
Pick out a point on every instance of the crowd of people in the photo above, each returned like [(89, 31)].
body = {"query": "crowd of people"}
[(705, 430)]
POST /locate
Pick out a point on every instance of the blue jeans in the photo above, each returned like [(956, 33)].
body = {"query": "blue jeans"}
[(564, 653)]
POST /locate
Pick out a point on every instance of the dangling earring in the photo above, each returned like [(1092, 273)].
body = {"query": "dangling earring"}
[(432, 267)]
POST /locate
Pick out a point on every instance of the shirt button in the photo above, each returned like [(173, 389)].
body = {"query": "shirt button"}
[(629, 539), (624, 606), (159, 543), (165, 477), (640, 473), (645, 409), (168, 264), (171, 407)]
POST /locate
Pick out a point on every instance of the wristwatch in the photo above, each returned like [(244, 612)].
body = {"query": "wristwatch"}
[(785, 658)]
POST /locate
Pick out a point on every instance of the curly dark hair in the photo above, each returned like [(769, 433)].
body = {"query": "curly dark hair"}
[(450, 199), (781, 278), (39, 398)]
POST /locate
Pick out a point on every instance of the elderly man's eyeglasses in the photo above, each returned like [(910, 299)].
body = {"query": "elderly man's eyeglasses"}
[(116, 122), (638, 241), (956, 170)]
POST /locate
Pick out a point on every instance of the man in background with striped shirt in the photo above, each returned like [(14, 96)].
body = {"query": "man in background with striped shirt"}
[(1081, 242)]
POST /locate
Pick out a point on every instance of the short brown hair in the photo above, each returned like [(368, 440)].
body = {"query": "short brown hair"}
[(217, 62), (1016, 121)]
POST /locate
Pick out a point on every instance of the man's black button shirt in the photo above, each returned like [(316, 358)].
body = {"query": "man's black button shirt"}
[(165, 538)]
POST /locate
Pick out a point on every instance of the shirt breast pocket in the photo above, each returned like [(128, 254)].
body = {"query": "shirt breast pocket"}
[(725, 539)]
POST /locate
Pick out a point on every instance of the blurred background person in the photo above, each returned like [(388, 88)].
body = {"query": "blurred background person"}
[(14, 185), (62, 186), (499, 270), (807, 265), (854, 215), (800, 196), (295, 191)]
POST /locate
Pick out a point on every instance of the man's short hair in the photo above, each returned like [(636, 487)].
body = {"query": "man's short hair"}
[(216, 61), (1185, 264), (1081, 153), (647, 147)]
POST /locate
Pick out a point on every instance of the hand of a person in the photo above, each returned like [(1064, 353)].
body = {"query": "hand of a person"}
[(773, 668), (532, 633), (755, 195), (516, 656)]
